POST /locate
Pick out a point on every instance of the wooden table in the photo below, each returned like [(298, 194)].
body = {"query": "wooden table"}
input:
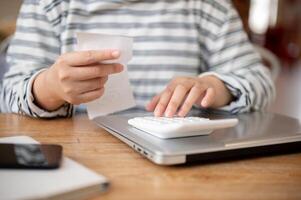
[(134, 177)]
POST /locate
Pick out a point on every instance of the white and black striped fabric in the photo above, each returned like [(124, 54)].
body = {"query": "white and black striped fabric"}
[(171, 38)]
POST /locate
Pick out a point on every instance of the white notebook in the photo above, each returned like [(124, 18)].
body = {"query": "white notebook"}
[(71, 181)]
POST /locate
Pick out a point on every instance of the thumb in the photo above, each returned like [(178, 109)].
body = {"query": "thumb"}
[(209, 98)]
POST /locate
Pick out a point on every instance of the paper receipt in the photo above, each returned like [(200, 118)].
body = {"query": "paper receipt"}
[(118, 94)]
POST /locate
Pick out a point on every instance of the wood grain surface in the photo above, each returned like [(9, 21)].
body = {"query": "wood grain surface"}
[(134, 177)]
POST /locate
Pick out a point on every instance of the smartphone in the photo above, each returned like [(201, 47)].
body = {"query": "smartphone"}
[(30, 156)]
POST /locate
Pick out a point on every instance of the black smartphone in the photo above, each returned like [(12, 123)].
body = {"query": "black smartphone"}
[(30, 156)]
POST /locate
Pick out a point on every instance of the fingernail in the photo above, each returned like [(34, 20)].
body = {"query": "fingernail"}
[(181, 113), (168, 113), (204, 103), (116, 53), (157, 113)]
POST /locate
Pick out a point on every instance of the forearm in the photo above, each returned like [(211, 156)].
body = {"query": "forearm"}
[(252, 89), (11, 92), (18, 98)]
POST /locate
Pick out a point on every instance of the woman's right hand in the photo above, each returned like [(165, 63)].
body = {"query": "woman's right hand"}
[(76, 77)]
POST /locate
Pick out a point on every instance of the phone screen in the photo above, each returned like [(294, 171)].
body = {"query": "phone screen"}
[(31, 156)]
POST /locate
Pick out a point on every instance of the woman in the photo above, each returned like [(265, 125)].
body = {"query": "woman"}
[(186, 52)]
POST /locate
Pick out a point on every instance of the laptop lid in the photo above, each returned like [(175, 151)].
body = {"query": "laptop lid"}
[(256, 132)]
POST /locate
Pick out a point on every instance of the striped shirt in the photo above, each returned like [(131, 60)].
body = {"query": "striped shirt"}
[(171, 38)]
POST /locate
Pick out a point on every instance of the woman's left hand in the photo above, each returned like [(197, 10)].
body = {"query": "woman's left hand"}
[(183, 92)]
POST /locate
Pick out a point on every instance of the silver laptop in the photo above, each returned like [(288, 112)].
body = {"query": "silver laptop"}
[(257, 133)]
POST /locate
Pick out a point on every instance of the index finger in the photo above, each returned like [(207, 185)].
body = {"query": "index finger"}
[(79, 58)]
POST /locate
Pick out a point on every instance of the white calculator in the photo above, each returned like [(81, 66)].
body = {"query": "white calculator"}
[(164, 127)]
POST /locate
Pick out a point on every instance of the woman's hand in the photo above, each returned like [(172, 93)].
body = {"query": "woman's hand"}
[(76, 77), (183, 92)]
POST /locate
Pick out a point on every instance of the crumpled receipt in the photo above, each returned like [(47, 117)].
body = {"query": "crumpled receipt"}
[(118, 93)]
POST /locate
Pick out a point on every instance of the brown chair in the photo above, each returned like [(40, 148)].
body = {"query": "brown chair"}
[(3, 49)]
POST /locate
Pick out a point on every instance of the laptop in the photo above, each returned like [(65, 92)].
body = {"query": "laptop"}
[(257, 134)]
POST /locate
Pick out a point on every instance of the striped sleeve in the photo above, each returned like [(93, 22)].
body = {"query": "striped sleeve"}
[(234, 61), (34, 47)]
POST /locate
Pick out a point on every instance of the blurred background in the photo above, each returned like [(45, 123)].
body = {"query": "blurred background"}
[(8, 13), (274, 26)]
